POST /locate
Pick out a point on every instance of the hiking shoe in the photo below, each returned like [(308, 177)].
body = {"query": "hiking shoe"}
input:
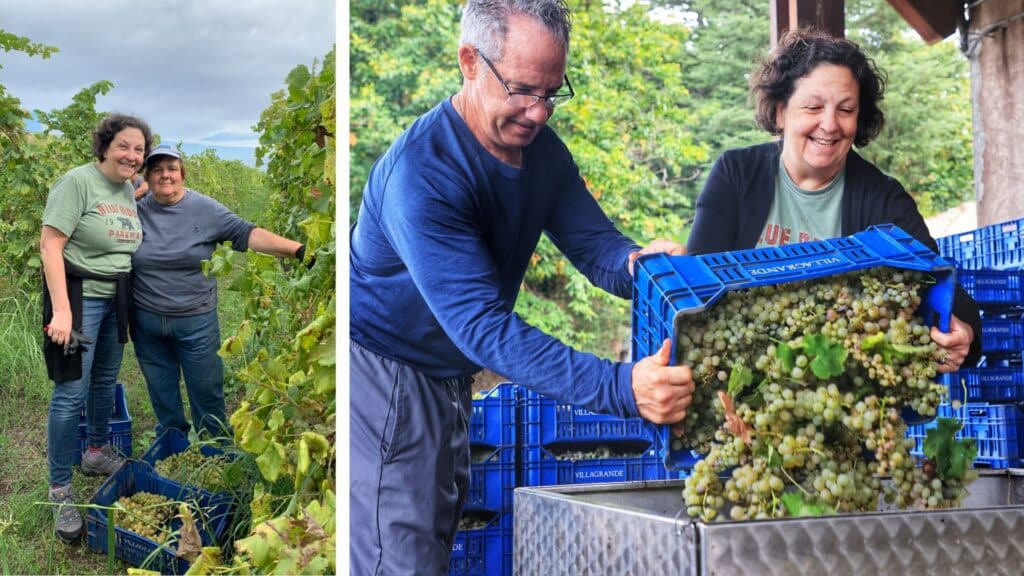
[(68, 519), (102, 463)]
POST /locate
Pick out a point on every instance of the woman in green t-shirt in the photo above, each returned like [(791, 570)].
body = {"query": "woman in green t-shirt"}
[(90, 231)]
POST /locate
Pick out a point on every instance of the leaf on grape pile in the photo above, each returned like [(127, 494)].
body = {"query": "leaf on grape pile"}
[(773, 458), (952, 457), (877, 344), (786, 354), (904, 351), (739, 378), (796, 506), (828, 357)]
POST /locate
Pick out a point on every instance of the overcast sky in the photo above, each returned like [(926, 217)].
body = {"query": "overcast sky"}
[(199, 71)]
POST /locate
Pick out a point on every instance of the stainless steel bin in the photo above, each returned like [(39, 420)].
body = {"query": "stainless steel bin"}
[(641, 528)]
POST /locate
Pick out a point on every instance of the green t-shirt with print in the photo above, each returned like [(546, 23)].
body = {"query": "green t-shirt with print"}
[(100, 221), (799, 215)]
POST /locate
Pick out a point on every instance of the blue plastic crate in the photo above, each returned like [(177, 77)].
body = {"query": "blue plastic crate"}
[(668, 288), (1000, 336), (171, 442), (995, 428), (544, 421), (1008, 245), (492, 481), (493, 422), (539, 467), (993, 289), (120, 426), (992, 384), (483, 552), (996, 247), (970, 250), (135, 549)]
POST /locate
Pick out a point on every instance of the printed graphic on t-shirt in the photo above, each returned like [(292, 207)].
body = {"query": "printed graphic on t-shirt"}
[(778, 235), (122, 223)]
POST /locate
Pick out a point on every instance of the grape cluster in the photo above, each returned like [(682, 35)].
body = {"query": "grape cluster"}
[(818, 372), (194, 468), (596, 452), (472, 521), (146, 514)]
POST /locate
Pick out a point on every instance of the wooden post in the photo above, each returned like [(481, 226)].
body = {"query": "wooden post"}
[(825, 15)]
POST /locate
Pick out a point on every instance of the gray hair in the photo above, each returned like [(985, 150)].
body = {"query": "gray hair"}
[(485, 22)]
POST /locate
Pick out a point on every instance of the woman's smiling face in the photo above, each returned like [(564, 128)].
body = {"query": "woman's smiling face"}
[(819, 124)]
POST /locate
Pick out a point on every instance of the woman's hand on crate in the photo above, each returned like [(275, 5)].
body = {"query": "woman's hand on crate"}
[(954, 345), (657, 246), (662, 392)]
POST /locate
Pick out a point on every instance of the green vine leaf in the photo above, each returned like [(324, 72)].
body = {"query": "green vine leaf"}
[(952, 456), (739, 378), (797, 506)]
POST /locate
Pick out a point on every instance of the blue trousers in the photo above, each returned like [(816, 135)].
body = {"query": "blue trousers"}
[(169, 347), (409, 465), (94, 391)]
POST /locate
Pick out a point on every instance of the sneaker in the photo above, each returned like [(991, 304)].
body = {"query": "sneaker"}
[(102, 463), (68, 519)]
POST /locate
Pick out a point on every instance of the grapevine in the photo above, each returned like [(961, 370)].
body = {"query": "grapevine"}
[(287, 342), (800, 394)]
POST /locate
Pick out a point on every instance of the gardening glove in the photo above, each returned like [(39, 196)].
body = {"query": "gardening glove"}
[(76, 341)]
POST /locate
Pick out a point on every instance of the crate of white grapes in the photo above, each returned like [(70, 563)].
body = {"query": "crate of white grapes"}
[(749, 290)]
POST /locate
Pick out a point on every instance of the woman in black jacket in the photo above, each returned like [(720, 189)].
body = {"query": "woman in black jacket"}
[(821, 95)]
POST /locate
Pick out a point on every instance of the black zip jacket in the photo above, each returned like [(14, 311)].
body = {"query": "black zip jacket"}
[(64, 368)]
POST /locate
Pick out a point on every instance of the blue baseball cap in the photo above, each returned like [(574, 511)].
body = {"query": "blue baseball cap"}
[(162, 150)]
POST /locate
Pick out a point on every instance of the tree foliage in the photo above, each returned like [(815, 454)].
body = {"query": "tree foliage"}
[(927, 140), (31, 163)]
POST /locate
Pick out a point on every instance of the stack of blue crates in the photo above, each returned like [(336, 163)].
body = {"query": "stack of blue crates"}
[(515, 435), (120, 426), (990, 267), (548, 428), (492, 440)]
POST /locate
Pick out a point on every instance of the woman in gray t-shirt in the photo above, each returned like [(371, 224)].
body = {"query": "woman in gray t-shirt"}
[(175, 326)]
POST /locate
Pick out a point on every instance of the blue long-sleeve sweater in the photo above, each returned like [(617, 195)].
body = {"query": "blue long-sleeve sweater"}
[(443, 239)]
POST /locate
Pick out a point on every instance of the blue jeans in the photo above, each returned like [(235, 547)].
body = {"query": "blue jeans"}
[(94, 391), (408, 466), (168, 347)]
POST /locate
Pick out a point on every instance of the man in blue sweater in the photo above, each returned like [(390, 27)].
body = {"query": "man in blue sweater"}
[(450, 216)]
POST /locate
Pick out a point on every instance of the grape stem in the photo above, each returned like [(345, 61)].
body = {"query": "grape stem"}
[(794, 482)]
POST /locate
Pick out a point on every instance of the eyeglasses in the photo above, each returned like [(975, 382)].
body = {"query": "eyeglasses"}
[(525, 99)]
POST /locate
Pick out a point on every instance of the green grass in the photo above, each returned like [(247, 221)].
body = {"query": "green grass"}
[(27, 541)]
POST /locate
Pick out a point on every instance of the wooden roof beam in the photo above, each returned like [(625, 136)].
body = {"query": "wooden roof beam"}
[(932, 19)]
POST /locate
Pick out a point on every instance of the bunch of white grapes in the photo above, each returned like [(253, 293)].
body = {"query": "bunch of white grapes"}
[(146, 514), (818, 374)]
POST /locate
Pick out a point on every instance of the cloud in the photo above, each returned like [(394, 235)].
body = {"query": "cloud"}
[(197, 71)]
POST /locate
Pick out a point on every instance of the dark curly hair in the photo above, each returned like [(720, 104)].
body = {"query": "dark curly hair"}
[(798, 53), (110, 126)]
